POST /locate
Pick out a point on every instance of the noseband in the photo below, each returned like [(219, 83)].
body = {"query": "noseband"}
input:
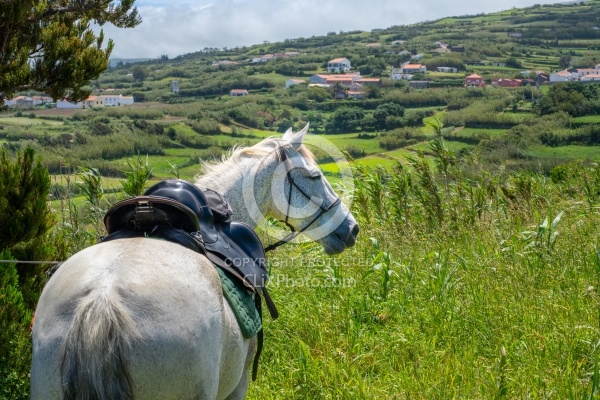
[(283, 157)]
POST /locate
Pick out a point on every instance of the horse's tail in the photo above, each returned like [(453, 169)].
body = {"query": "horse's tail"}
[(96, 350)]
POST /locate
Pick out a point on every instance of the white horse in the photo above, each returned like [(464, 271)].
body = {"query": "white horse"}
[(143, 318)]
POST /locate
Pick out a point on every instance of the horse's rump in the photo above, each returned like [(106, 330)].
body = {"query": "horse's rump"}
[(135, 317)]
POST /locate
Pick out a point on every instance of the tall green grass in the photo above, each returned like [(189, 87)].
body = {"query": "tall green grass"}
[(465, 283)]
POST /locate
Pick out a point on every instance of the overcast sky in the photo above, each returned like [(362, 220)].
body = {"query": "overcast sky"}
[(175, 27)]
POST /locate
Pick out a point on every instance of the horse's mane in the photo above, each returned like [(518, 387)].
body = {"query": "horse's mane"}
[(263, 148)]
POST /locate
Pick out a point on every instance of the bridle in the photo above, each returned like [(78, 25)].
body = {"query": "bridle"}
[(283, 157)]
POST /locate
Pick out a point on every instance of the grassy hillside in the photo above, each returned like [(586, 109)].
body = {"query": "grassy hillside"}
[(476, 271)]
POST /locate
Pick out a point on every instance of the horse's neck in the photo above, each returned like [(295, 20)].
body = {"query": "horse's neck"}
[(228, 180)]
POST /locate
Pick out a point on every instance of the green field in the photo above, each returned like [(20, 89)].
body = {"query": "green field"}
[(24, 121)]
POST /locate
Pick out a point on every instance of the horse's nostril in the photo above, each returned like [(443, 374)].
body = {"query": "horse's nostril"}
[(355, 231)]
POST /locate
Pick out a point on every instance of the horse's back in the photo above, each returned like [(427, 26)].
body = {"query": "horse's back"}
[(139, 318)]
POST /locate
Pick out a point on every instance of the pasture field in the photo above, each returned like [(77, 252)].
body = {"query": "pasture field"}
[(24, 121), (571, 152), (504, 306)]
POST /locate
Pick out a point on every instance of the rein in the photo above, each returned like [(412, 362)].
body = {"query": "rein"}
[(283, 157)]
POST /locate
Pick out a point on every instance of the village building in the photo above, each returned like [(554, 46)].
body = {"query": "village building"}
[(116, 100), (474, 80), (338, 65), (238, 92), (343, 79), (447, 69)]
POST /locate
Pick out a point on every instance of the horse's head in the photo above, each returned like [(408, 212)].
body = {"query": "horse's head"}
[(298, 194)]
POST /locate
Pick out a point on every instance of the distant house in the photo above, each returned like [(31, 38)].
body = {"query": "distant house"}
[(515, 35), (175, 87), (397, 73), (414, 69), (582, 72), (591, 77), (404, 53), (238, 92), (561, 76), (116, 100), (474, 80), (541, 78), (373, 44), (343, 80), (458, 49), (93, 101), (417, 57), (90, 102), (447, 69), (339, 65), (418, 84), (398, 42), (291, 82), (64, 104), (262, 59), (26, 101), (498, 64)]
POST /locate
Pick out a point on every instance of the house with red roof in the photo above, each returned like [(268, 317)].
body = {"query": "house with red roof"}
[(330, 80), (474, 80)]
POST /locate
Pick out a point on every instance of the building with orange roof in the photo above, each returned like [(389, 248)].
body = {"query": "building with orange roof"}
[(337, 65)]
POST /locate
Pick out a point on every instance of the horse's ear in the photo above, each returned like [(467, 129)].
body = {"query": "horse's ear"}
[(295, 139)]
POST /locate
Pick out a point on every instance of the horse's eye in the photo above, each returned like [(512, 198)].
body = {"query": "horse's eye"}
[(314, 174)]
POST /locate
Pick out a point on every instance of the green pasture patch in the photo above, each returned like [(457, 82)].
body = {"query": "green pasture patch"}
[(346, 141), (572, 152), (24, 121), (377, 161), (586, 119), (479, 133)]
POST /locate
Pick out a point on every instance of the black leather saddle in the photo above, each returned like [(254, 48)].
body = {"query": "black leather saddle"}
[(179, 211)]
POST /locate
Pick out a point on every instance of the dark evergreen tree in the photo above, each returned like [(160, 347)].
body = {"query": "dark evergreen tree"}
[(49, 46)]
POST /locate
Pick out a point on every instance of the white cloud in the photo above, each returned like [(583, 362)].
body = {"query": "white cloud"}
[(181, 26)]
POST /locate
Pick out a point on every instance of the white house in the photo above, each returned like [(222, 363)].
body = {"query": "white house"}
[(398, 74), (339, 65), (561, 76), (116, 100), (591, 77), (62, 103)]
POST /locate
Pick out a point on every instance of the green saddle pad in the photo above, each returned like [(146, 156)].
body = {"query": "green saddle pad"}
[(242, 304)]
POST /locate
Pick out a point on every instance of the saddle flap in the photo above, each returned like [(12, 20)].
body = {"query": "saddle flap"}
[(143, 212), (241, 248)]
